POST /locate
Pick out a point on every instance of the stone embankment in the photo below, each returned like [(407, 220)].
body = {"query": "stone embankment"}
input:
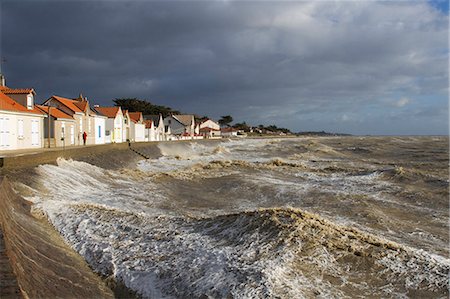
[(44, 266)]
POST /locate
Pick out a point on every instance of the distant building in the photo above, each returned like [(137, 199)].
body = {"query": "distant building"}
[(209, 129), (21, 123), (181, 124), (229, 132)]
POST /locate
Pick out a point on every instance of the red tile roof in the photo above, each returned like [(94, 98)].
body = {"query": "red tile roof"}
[(71, 104), (6, 90), (55, 112), (8, 104), (81, 104), (148, 123), (109, 112), (135, 116)]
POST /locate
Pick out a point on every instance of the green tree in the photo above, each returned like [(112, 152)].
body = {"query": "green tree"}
[(225, 120), (137, 105), (242, 126)]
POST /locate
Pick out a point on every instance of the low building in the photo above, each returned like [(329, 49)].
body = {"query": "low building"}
[(99, 126), (81, 112), (181, 125), (126, 126), (137, 126), (209, 129), (229, 132), (154, 128), (21, 126), (113, 123)]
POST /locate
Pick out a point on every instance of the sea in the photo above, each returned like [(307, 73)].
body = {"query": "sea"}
[(308, 217)]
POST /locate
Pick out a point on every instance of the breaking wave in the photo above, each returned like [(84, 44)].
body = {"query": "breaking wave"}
[(265, 253)]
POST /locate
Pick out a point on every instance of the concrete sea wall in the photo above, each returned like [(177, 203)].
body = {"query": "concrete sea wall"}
[(44, 266)]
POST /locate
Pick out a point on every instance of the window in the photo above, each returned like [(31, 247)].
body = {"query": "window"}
[(63, 126), (99, 131), (30, 101), (81, 125), (89, 125), (35, 132), (20, 128)]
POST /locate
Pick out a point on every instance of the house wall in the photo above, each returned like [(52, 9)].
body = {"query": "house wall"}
[(139, 132), (62, 129), (176, 127), (117, 132), (228, 134), (126, 127), (10, 139), (99, 129), (160, 131), (132, 131)]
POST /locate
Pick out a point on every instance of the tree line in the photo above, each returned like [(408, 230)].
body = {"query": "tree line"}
[(147, 108)]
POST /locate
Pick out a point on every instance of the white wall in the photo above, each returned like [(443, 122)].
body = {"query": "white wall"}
[(139, 132), (99, 129), (210, 124), (10, 139)]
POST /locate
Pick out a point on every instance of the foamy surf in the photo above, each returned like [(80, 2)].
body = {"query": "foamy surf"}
[(232, 220)]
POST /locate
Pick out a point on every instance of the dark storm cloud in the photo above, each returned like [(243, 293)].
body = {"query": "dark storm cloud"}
[(306, 65)]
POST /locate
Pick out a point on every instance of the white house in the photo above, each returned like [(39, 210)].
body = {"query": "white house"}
[(100, 129), (113, 123), (21, 127), (209, 129), (181, 124), (229, 132), (126, 127), (154, 128), (137, 126)]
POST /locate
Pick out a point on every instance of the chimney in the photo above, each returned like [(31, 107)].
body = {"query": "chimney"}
[(2, 80)]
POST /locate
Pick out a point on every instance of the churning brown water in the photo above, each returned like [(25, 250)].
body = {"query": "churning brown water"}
[(283, 218)]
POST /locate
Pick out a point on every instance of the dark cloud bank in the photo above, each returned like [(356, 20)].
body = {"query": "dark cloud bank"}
[(357, 67)]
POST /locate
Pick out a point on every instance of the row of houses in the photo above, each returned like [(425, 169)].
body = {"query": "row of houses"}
[(61, 121)]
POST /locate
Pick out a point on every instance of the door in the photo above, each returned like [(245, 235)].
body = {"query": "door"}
[(35, 133)]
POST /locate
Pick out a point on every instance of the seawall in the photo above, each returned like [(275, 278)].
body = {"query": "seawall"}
[(44, 266)]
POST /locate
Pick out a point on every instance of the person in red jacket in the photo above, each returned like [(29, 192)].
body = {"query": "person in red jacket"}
[(84, 138)]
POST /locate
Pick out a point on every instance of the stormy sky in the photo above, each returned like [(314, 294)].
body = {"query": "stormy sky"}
[(360, 67)]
